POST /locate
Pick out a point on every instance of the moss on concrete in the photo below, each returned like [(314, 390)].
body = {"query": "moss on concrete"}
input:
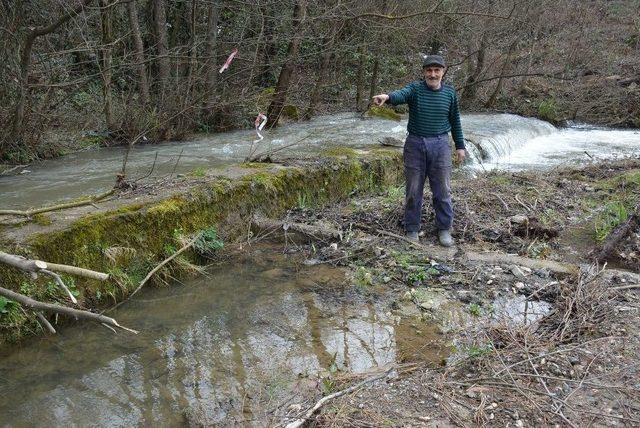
[(384, 113)]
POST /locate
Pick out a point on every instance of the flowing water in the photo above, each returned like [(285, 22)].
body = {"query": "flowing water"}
[(225, 348), (496, 141)]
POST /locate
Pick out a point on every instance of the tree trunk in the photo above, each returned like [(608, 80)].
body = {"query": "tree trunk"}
[(212, 50), (470, 84), (18, 121), (327, 48), (141, 69), (193, 52), (374, 77), (106, 57), (360, 79), (505, 66), (282, 87), (160, 27)]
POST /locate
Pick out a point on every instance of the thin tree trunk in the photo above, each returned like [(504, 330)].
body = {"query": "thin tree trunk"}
[(141, 69), (193, 53), (269, 52), (106, 54), (373, 88), (505, 66), (286, 73), (374, 77), (18, 122), (212, 53), (360, 78), (254, 65), (470, 84), (160, 26), (325, 61)]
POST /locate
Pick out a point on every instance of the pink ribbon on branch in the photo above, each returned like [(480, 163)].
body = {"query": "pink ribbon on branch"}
[(227, 63), (260, 122)]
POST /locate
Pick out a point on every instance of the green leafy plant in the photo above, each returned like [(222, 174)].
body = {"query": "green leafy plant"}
[(548, 110), (477, 351), (208, 242), (393, 195), (475, 309), (302, 201), (169, 249), (418, 276), (613, 215), (6, 305), (363, 277), (199, 172)]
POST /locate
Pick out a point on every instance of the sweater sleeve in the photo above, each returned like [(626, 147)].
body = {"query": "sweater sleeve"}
[(456, 126), (401, 96)]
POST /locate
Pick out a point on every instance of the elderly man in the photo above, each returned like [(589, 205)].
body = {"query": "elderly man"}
[(433, 112)]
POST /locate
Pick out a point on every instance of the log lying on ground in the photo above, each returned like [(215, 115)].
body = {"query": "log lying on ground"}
[(317, 232), (499, 258), (617, 236), (29, 213)]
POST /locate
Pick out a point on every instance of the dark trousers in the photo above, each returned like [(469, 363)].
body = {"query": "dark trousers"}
[(427, 157)]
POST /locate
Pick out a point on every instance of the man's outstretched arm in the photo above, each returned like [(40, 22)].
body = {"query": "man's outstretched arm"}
[(401, 96)]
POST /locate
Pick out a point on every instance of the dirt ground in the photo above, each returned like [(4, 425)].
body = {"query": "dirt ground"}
[(530, 346)]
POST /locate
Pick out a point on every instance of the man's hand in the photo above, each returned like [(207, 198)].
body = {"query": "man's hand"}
[(380, 99), (460, 155)]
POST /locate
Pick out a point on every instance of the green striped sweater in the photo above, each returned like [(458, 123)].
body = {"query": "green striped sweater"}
[(431, 112)]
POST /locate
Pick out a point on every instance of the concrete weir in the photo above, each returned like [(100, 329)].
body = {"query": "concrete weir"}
[(148, 224)]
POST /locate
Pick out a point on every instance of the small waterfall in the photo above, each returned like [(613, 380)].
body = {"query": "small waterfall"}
[(491, 137)]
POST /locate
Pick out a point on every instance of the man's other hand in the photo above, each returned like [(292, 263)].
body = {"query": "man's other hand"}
[(460, 155), (380, 99)]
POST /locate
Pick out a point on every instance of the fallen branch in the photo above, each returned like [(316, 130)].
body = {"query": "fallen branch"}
[(625, 287), (317, 232), (29, 213), (497, 258), (504, 204), (37, 266), (13, 168), (156, 269), (309, 414), (59, 309)]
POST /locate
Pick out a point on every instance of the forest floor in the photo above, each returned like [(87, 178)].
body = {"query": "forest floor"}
[(530, 344)]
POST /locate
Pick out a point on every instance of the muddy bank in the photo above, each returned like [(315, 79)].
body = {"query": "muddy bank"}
[(532, 346), (129, 234)]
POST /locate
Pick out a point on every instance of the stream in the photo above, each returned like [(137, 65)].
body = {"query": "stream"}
[(502, 141), (229, 347)]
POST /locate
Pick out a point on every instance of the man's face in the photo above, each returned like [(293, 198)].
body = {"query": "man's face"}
[(433, 76)]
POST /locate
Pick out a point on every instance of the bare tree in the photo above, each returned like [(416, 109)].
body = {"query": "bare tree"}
[(286, 73), (33, 33), (139, 57)]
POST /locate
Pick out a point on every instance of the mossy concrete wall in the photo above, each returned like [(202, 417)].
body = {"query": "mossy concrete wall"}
[(150, 231)]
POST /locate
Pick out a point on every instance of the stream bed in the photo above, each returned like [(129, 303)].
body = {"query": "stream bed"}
[(234, 346)]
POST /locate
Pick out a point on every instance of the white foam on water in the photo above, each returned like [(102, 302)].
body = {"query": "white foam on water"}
[(570, 146)]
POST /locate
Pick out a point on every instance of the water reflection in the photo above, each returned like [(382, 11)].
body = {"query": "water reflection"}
[(224, 348)]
